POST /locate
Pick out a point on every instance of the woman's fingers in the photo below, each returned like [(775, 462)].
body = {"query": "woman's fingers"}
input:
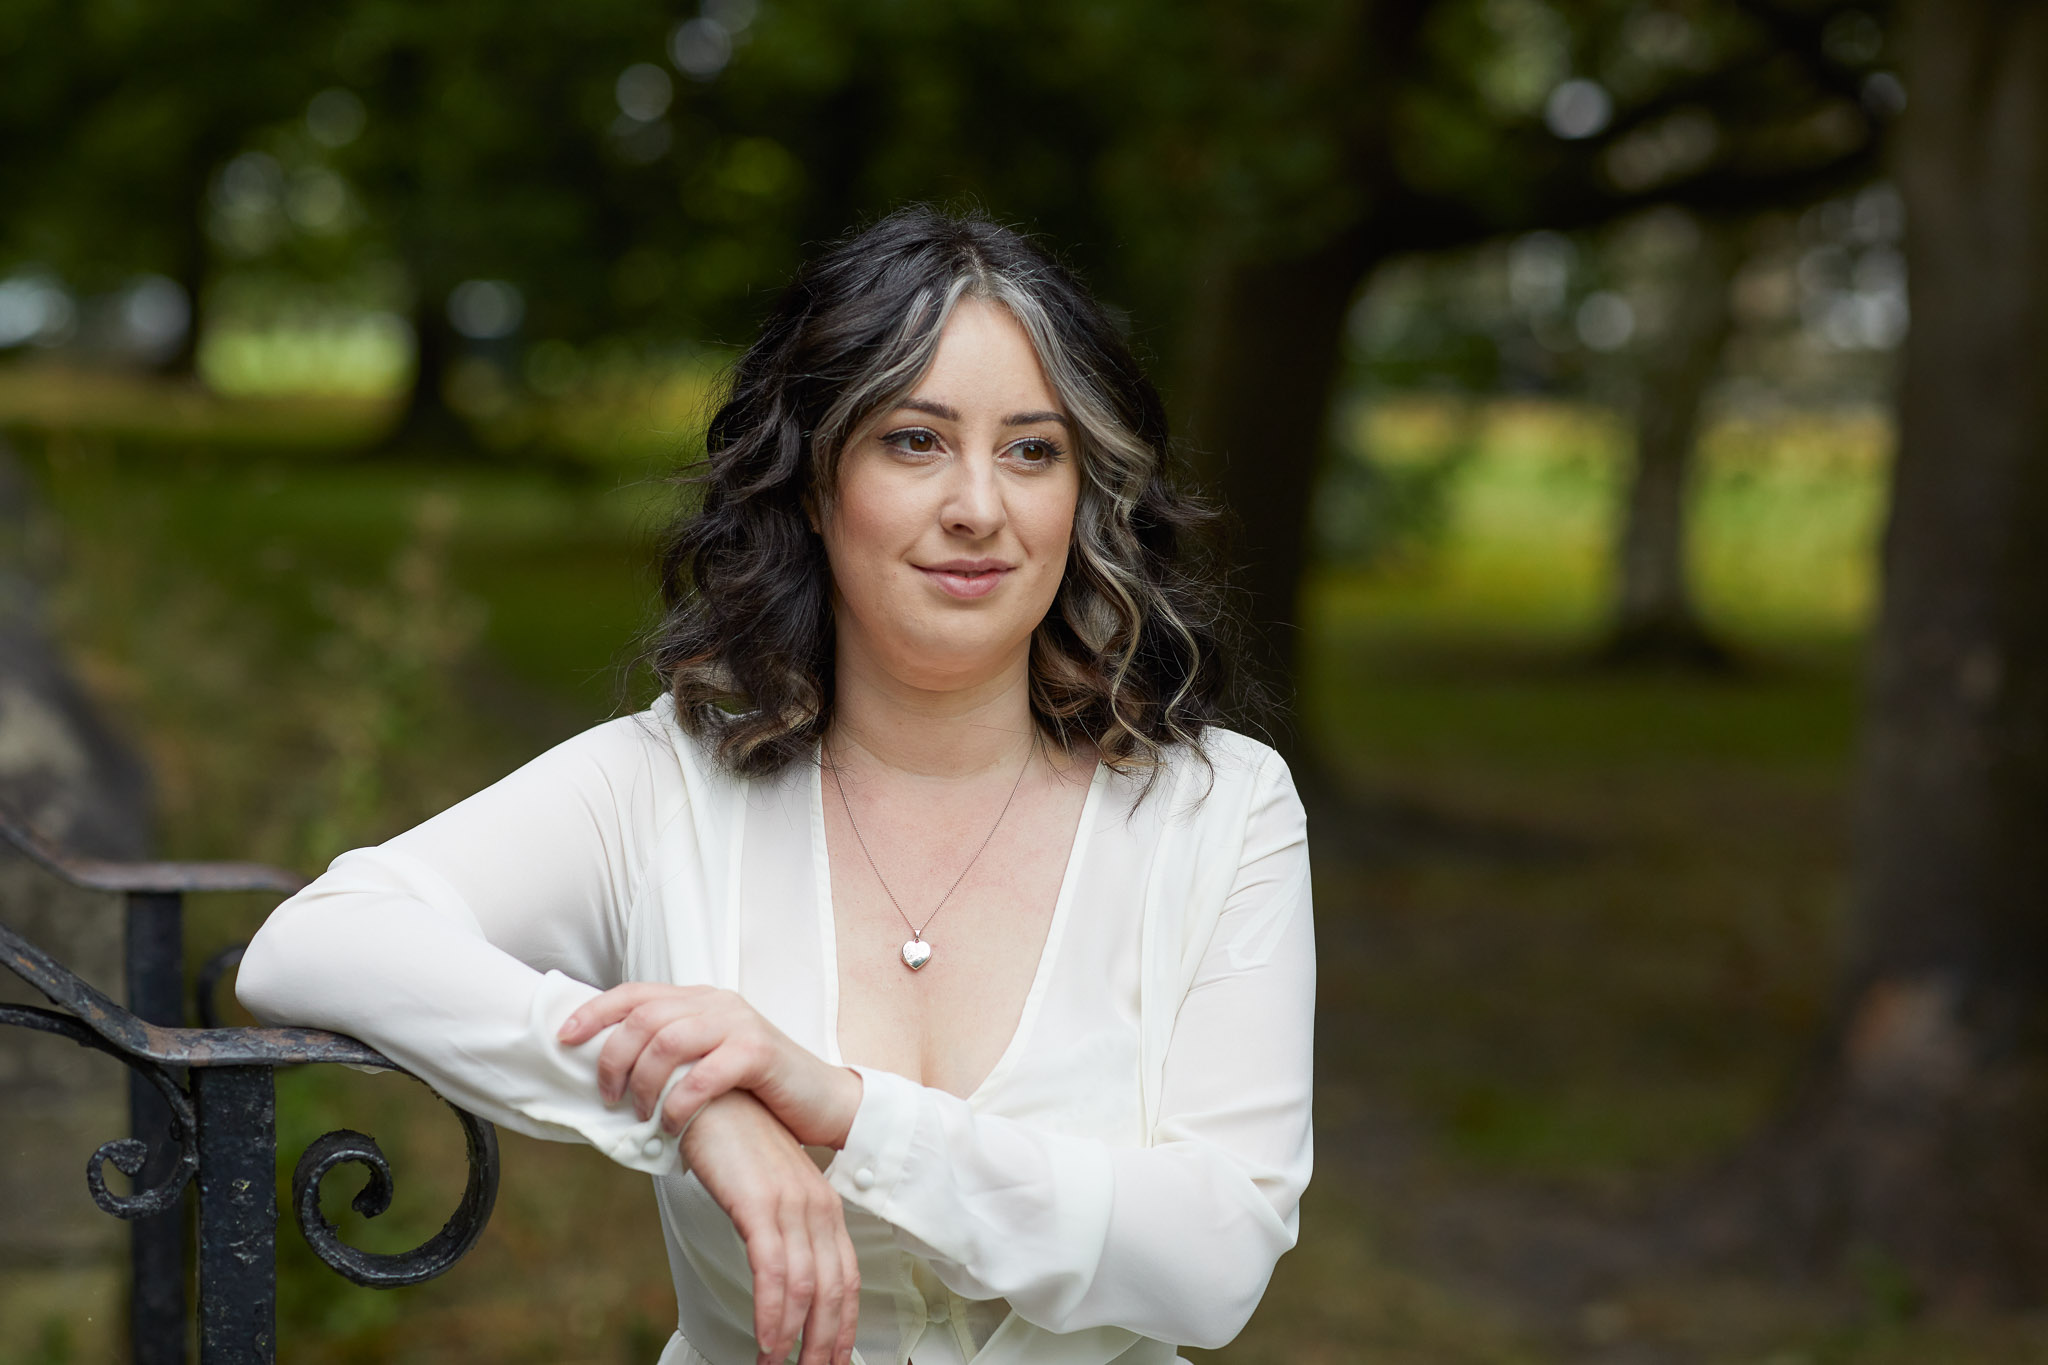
[(601, 1012), (649, 1044), (620, 1053), (828, 1333), (767, 1257), (800, 1287), (849, 1320), (727, 1067), (680, 1042)]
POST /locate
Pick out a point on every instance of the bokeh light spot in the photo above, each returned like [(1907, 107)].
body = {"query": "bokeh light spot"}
[(700, 48), (335, 118), (644, 92), (1577, 108), (486, 310), (1605, 321)]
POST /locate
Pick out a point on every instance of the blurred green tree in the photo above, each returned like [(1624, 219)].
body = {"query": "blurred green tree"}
[(1656, 619), (484, 158), (118, 118), (1446, 123)]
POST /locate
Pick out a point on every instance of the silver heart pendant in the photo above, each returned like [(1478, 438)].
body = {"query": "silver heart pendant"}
[(916, 953)]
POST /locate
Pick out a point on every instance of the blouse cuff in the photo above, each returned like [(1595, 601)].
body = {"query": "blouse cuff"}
[(870, 1167), (612, 1129)]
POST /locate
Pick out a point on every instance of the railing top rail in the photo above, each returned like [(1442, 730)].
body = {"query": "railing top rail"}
[(102, 874), (176, 1046)]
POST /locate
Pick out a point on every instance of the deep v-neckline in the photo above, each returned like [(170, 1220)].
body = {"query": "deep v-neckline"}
[(1048, 953)]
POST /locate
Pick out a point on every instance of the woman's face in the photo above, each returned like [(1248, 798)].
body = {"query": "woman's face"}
[(948, 534)]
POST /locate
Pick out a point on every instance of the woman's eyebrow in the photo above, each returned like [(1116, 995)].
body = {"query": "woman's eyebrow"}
[(946, 414)]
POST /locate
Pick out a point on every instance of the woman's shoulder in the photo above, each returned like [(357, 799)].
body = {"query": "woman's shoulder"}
[(648, 752), (1214, 781), (1223, 760), (1237, 751)]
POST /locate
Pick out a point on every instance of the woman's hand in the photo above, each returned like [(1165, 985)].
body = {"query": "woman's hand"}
[(793, 1224), (730, 1046)]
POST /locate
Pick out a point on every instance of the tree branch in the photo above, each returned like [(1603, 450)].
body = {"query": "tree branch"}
[(1803, 37)]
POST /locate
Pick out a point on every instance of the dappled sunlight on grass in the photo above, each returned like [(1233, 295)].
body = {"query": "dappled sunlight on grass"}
[(1786, 512), (613, 411), (46, 397)]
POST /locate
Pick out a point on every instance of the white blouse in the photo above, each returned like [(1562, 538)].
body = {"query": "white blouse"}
[(1121, 1183)]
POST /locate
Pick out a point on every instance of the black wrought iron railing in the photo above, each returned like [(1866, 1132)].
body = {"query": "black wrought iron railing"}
[(202, 1110)]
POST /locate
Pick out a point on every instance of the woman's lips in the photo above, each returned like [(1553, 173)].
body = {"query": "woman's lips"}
[(963, 582)]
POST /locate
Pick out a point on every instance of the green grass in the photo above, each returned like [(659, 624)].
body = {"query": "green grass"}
[(1593, 971)]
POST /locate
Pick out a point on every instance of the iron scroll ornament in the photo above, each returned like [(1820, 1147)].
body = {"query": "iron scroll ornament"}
[(438, 1253), (127, 1154), (161, 1055)]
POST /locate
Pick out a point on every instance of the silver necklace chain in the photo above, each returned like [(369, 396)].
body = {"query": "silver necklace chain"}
[(916, 930)]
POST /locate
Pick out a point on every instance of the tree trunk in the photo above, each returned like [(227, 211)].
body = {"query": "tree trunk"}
[(182, 361), (191, 258), (1656, 621), (1257, 406), (428, 425), (1927, 1133)]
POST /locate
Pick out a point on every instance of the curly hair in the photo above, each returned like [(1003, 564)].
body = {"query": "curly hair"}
[(1132, 657)]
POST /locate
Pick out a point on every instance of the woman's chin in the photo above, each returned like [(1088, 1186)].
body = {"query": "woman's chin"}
[(951, 665)]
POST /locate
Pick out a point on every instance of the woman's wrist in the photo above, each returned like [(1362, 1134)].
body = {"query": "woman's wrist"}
[(831, 1100), (850, 1088), (815, 1100)]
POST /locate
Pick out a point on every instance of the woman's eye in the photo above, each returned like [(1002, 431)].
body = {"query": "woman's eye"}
[(913, 440), (1036, 451)]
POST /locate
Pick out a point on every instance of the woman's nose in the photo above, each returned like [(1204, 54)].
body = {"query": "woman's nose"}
[(974, 500)]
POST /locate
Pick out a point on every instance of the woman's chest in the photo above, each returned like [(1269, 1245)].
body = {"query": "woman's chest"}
[(1029, 1001), (942, 932)]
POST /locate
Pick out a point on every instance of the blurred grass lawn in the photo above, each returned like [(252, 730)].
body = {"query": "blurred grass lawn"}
[(1601, 977)]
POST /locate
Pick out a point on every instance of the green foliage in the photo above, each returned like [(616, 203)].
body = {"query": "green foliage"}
[(117, 117)]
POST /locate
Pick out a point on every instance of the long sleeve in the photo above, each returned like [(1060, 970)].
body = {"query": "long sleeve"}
[(459, 947), (1175, 1240)]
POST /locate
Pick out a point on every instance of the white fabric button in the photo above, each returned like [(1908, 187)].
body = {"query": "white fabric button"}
[(651, 1148), (864, 1179), (938, 1308)]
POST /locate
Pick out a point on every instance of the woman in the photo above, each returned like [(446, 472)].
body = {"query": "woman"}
[(948, 969)]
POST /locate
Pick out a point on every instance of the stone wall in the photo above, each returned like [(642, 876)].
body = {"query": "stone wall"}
[(62, 769)]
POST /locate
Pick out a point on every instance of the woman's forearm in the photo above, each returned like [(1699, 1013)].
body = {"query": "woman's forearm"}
[(376, 949)]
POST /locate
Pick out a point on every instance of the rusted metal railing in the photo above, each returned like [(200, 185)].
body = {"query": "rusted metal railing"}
[(202, 1109)]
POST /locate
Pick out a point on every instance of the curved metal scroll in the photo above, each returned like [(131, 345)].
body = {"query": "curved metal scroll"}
[(378, 1270), (127, 1154)]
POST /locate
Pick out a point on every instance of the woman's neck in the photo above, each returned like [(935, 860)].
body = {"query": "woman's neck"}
[(955, 732)]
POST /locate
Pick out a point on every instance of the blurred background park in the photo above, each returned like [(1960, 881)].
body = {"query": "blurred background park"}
[(1679, 900)]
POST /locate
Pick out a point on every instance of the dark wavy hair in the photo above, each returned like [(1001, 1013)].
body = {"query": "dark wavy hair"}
[(1132, 657)]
